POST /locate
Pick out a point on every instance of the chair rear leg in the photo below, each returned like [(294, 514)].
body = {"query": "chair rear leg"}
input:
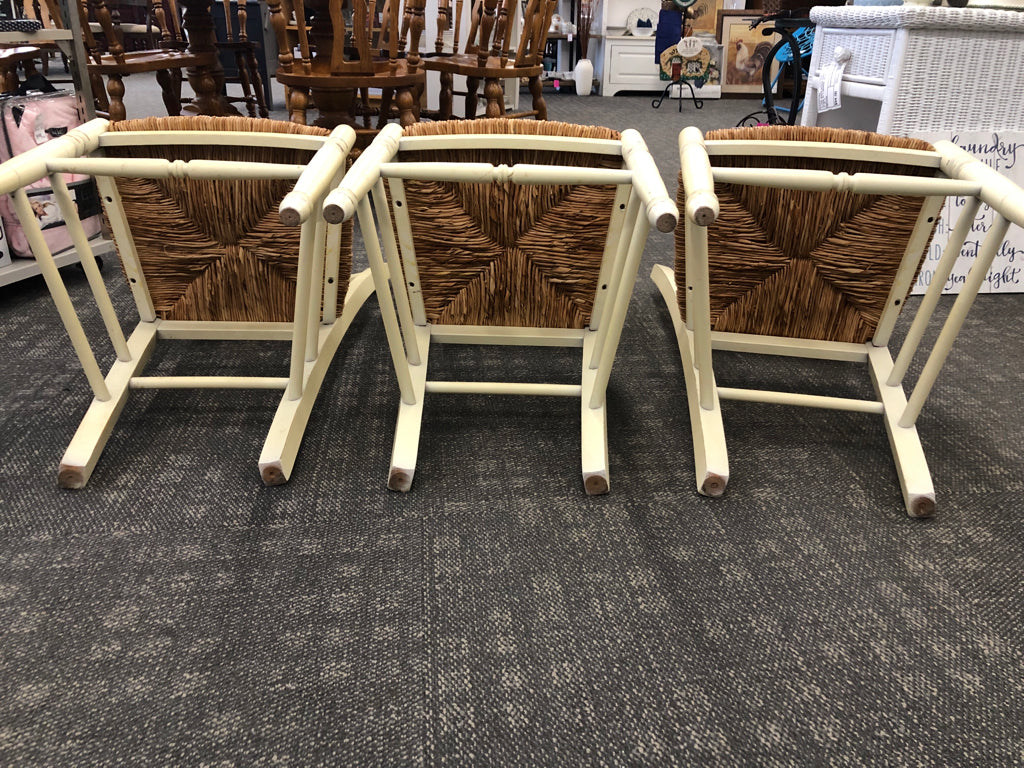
[(281, 447), (594, 428), (410, 418), (710, 456), (907, 452)]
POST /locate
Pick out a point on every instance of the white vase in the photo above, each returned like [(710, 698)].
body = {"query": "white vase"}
[(583, 73)]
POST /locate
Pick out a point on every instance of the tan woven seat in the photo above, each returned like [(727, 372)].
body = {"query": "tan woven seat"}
[(192, 203), (511, 232), (806, 242)]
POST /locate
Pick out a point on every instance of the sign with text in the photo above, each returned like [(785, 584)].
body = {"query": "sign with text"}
[(1003, 151)]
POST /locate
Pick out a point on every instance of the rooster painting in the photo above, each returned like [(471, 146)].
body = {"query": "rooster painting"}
[(745, 59)]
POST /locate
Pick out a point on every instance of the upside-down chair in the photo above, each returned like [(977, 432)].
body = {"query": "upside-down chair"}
[(504, 232), (806, 242), (192, 204)]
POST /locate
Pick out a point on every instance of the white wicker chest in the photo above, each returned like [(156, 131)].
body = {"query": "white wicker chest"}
[(921, 69)]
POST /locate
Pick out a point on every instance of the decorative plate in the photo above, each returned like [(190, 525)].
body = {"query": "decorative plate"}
[(642, 14)]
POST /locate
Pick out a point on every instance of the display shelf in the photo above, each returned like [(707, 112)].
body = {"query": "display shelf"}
[(69, 41), (22, 269)]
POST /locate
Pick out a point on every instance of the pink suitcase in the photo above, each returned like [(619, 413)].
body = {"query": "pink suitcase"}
[(26, 122)]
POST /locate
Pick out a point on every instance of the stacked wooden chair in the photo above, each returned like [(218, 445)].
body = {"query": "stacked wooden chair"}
[(236, 43), (107, 57), (346, 53), (488, 56), (806, 242), (193, 206), (30, 59), (508, 232)]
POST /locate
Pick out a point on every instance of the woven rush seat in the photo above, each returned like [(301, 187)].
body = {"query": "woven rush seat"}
[(218, 267), (806, 242), (508, 254), (814, 264), (504, 232)]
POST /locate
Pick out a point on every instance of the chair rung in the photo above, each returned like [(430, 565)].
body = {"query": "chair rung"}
[(806, 401), (208, 382), (503, 388)]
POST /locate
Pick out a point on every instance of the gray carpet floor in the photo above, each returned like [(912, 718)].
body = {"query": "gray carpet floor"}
[(178, 612)]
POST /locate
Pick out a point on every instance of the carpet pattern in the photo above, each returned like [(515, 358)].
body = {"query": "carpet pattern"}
[(177, 612)]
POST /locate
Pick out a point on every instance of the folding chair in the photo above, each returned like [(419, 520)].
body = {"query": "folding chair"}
[(192, 204), (503, 231), (805, 242)]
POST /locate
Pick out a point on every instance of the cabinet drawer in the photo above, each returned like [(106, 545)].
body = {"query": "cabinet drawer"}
[(871, 51), (631, 63)]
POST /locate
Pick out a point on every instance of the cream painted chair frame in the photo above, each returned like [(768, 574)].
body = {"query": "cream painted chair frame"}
[(957, 174), (314, 336), (641, 202)]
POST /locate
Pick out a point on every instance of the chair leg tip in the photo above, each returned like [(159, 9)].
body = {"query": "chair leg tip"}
[(713, 485), (273, 474), (71, 477), (922, 506), (399, 480), (595, 485)]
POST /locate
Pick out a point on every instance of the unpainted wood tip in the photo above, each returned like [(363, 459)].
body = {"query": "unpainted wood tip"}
[(399, 480), (71, 477), (667, 222), (922, 506), (595, 485), (290, 217), (713, 485), (273, 474), (334, 213)]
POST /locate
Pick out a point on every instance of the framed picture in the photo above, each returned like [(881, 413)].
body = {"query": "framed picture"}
[(704, 15), (744, 51)]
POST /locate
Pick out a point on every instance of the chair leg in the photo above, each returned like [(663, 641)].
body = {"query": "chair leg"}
[(410, 418), (907, 452), (710, 456), (446, 96), (282, 444), (540, 106), (115, 92), (472, 86), (92, 434), (170, 81), (594, 427), (495, 96)]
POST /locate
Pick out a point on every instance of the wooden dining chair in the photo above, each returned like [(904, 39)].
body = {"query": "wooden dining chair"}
[(193, 207), (236, 43), (24, 63), (488, 56), (508, 232), (348, 53), (107, 57), (805, 242)]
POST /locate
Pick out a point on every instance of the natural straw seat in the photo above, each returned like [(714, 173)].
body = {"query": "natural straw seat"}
[(504, 232), (806, 242), (193, 206), (801, 263), (231, 258)]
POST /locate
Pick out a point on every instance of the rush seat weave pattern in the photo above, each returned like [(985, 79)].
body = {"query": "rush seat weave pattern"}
[(199, 263), (804, 264), (510, 254)]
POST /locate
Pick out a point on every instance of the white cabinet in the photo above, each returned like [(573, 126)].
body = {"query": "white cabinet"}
[(920, 68), (629, 65)]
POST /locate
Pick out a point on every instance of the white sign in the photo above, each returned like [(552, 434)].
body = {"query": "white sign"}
[(1003, 151)]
